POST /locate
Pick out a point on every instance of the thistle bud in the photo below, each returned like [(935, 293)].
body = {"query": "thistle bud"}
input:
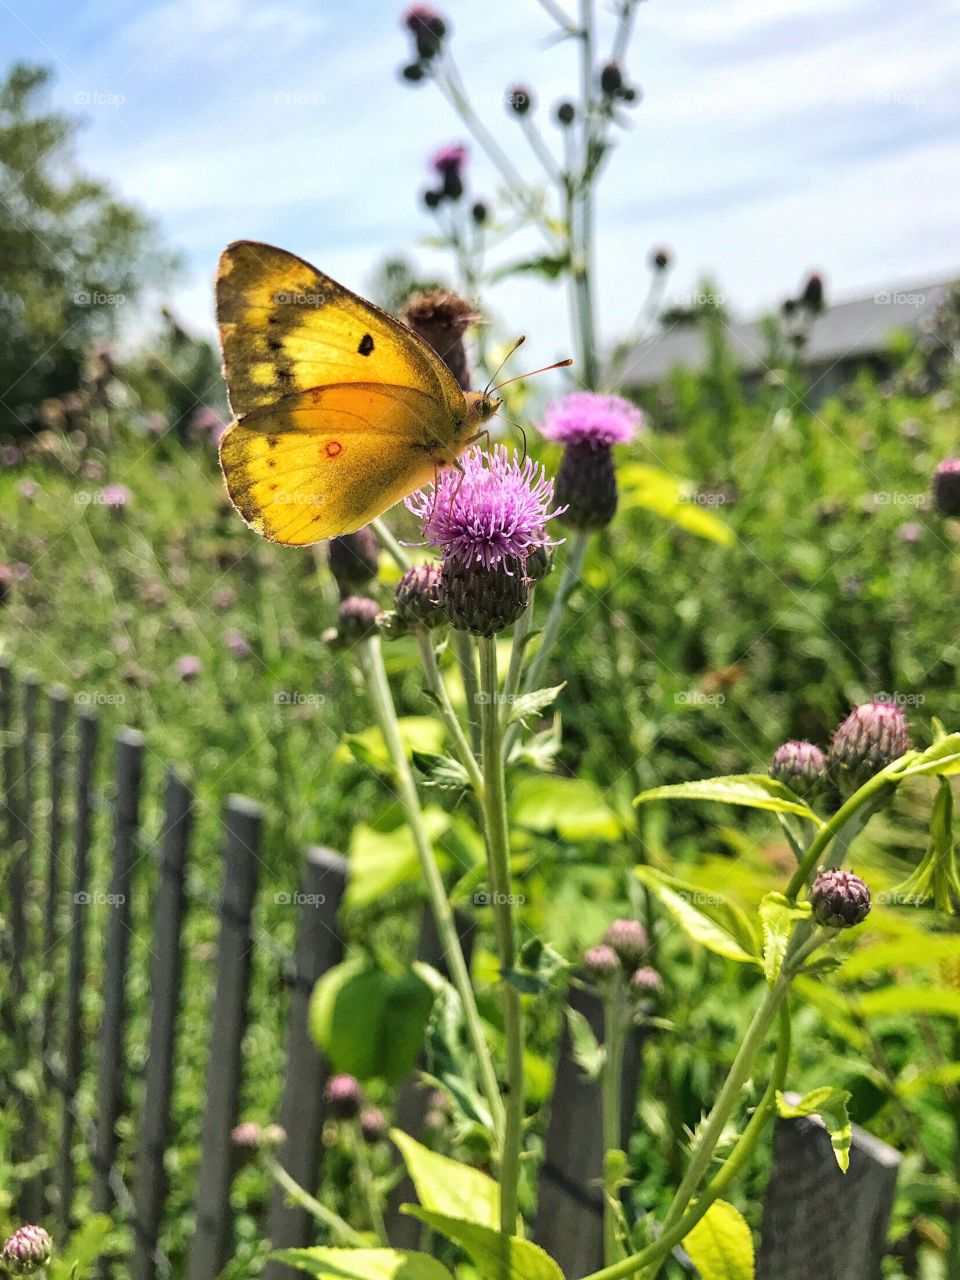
[(353, 560), (357, 618), (441, 317), (539, 563), (417, 599), (630, 940), (373, 1125), (660, 258), (812, 297), (520, 99), (479, 213), (872, 736), (611, 79), (587, 486), (566, 113), (946, 487), (483, 600), (413, 72), (427, 28), (839, 899), (601, 963), (801, 766), (343, 1097), (646, 981), (27, 1251)]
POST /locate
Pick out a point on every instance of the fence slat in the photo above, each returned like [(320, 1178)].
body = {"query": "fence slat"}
[(570, 1209), (88, 732), (110, 1082), (16, 842), (319, 948), (209, 1248), (412, 1098), (59, 707), (150, 1187), (818, 1223)]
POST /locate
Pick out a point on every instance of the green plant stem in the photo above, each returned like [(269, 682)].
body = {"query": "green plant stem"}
[(616, 1019), (732, 1166), (370, 656), (314, 1207), (521, 632), (449, 716), (391, 544), (367, 1189), (463, 648), (551, 629), (869, 791), (498, 850)]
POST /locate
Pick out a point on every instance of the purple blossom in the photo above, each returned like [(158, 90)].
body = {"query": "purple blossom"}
[(188, 666), (909, 532), (28, 489), (10, 456), (496, 510), (447, 159), (237, 645), (114, 495), (583, 417), (156, 423)]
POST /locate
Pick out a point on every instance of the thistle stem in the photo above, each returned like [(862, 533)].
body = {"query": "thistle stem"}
[(315, 1208), (463, 648), (391, 544), (832, 828), (615, 1019), (498, 849), (449, 716), (370, 657)]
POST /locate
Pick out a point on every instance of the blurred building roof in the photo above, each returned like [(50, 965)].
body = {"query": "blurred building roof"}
[(844, 332)]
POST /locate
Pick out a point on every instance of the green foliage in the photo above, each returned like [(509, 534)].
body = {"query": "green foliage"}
[(707, 918), (449, 1187), (364, 1264), (486, 1248), (753, 791), (721, 1244), (830, 1104)]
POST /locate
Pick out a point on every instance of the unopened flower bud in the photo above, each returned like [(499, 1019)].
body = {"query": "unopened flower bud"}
[(441, 317), (479, 213), (946, 487), (601, 962), (660, 258), (343, 1097), (839, 899), (357, 618), (353, 560), (872, 736), (483, 600), (646, 981), (566, 113), (373, 1124), (413, 72), (811, 299), (801, 766), (417, 599), (27, 1251), (630, 940), (427, 28), (520, 99), (611, 79), (539, 563)]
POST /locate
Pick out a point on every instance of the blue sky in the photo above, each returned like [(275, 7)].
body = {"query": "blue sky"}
[(774, 136)]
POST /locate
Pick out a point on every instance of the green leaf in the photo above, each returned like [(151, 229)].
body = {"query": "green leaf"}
[(752, 790), (721, 1244), (570, 807), (777, 918), (370, 1023), (830, 1104), (667, 496), (588, 1053), (363, 1264), (537, 968), (525, 1261), (88, 1243), (382, 861), (449, 1187), (943, 757), (442, 772), (893, 1000), (552, 266), (938, 876), (531, 704), (418, 733), (706, 917)]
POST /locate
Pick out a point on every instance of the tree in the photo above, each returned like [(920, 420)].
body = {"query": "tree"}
[(73, 257)]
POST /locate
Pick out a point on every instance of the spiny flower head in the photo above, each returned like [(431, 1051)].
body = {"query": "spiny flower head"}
[(344, 1096), (629, 939), (801, 766), (601, 962), (583, 417), (496, 511), (114, 495), (839, 899), (872, 736), (26, 1251)]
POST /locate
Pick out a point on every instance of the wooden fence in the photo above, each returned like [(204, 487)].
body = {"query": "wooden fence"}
[(50, 757)]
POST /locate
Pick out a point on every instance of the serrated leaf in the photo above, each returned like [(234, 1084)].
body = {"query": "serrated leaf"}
[(830, 1104), (537, 968), (943, 758), (447, 1186), (751, 790), (442, 772), (706, 917), (363, 1264), (721, 1244), (489, 1249), (450, 1059), (777, 917), (588, 1053), (531, 704)]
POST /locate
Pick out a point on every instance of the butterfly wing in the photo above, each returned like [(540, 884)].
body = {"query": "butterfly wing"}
[(286, 328), (327, 461)]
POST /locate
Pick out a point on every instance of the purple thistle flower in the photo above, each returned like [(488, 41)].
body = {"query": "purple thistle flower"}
[(188, 666), (156, 423), (344, 1096), (28, 489), (114, 495), (237, 645), (26, 1251), (802, 766), (583, 417), (496, 511), (449, 158)]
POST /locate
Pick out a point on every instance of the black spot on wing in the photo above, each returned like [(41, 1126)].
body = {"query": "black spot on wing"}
[(366, 345)]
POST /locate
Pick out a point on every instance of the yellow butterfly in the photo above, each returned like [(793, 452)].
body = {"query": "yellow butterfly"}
[(340, 409)]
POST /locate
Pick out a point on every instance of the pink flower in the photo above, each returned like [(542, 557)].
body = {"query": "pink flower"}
[(188, 667), (583, 417), (447, 159), (114, 495)]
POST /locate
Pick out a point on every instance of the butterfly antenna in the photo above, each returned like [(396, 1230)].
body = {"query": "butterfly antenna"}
[(523, 433), (519, 343), (560, 364)]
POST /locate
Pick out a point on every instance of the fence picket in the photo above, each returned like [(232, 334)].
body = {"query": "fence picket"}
[(110, 1082), (59, 708), (209, 1248), (319, 948), (150, 1187), (16, 844), (88, 732)]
